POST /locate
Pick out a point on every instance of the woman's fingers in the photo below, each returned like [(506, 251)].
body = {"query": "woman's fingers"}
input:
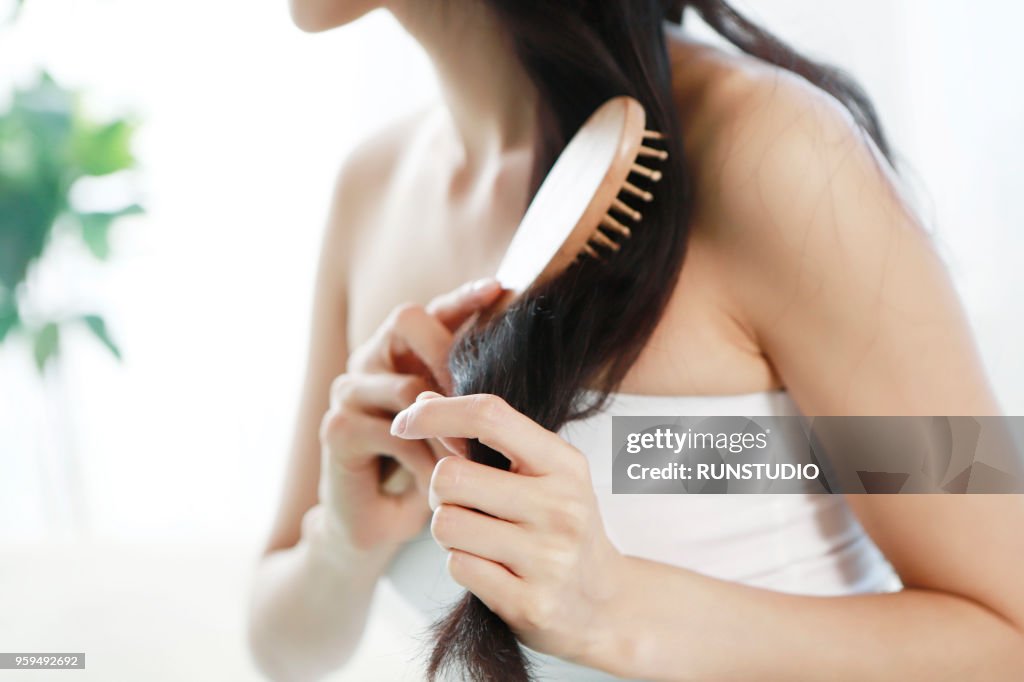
[(356, 439), (455, 446), (491, 582), (423, 334), (409, 341), (440, 447), (456, 480), (455, 527), (455, 307), (533, 450), (389, 393), (412, 330)]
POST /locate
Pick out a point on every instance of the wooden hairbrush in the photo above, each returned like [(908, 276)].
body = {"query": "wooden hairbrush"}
[(580, 210)]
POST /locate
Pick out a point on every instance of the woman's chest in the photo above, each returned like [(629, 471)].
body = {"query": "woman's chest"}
[(412, 252)]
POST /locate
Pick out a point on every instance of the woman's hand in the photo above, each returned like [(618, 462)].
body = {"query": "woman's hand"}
[(407, 355), (528, 542)]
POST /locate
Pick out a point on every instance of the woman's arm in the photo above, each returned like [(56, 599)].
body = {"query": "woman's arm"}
[(530, 544), (668, 624), (855, 311), (338, 526), (846, 296), (311, 594), (313, 586)]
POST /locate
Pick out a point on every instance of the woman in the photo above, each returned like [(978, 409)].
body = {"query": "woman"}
[(808, 287)]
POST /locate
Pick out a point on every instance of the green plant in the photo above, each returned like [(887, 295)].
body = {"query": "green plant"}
[(47, 144)]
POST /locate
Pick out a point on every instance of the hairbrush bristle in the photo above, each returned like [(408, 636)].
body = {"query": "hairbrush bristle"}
[(601, 238), (614, 225), (622, 207), (651, 175), (651, 153), (637, 192)]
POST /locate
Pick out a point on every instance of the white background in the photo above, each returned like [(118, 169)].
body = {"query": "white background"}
[(180, 448)]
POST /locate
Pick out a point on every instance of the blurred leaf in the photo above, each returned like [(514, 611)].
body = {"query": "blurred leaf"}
[(105, 149), (34, 137), (46, 345), (96, 233), (99, 329), (47, 143), (18, 160), (96, 228), (46, 113), (26, 218), (9, 318)]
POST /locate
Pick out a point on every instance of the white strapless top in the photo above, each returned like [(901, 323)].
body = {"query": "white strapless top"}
[(804, 544)]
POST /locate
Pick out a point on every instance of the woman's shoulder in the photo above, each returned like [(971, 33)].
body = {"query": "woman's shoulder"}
[(368, 172), (771, 154), (739, 112), (794, 204)]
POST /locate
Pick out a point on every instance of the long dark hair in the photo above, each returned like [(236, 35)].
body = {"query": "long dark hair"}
[(557, 354)]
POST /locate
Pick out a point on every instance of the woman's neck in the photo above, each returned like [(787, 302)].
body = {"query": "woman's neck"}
[(490, 96)]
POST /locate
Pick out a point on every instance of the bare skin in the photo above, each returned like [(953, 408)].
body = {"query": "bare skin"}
[(805, 271)]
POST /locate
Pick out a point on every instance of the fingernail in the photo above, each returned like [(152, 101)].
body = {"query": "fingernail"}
[(399, 423), (482, 285), (427, 395)]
